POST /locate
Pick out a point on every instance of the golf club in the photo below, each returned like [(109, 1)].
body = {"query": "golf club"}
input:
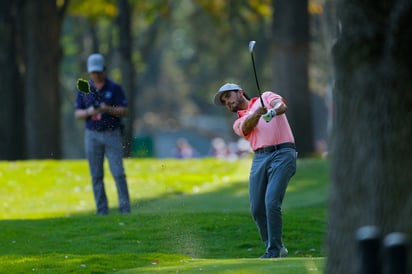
[(84, 87), (251, 45)]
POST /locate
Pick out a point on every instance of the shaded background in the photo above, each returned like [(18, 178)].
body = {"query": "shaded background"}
[(170, 57)]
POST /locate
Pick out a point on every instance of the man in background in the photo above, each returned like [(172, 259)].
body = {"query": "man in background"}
[(102, 110)]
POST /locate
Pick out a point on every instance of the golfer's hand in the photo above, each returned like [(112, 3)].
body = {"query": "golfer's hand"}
[(269, 115)]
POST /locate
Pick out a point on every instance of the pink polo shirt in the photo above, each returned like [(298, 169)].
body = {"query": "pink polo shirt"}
[(265, 134)]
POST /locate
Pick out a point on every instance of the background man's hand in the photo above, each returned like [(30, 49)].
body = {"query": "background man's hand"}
[(91, 111), (103, 108)]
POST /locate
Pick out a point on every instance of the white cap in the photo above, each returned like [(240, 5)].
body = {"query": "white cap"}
[(223, 89), (95, 63)]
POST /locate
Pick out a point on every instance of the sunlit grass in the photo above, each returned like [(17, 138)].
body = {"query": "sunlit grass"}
[(187, 216)]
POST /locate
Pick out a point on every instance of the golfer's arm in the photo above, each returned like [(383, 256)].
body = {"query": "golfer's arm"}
[(279, 106), (251, 121)]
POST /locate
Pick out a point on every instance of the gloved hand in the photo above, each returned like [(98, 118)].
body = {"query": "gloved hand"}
[(269, 115)]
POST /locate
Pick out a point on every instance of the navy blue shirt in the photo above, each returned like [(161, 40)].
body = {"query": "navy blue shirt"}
[(112, 95)]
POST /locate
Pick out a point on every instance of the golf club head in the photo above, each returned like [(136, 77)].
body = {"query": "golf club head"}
[(251, 45), (83, 85)]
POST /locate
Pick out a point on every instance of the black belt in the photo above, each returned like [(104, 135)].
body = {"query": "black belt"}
[(269, 149)]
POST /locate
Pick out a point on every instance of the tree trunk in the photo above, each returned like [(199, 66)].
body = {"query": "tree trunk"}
[(372, 127), (127, 69), (11, 105), (42, 36), (290, 67)]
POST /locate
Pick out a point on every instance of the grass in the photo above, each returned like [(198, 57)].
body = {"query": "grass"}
[(187, 216)]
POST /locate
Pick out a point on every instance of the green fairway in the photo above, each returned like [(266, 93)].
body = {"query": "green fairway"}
[(187, 216), (235, 266)]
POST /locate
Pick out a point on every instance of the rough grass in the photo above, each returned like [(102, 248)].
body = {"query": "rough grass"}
[(187, 216)]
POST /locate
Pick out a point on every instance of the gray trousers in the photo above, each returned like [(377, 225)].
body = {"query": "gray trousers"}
[(269, 177), (97, 146)]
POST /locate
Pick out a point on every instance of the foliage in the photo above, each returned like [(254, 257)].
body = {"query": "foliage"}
[(94, 10), (187, 215)]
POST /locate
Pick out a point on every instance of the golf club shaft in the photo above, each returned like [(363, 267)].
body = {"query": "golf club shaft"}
[(257, 81)]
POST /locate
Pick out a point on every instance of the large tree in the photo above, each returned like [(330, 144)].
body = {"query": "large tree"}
[(127, 68), (42, 27), (372, 130), (290, 50), (11, 105)]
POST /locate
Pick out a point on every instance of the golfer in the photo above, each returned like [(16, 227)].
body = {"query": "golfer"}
[(274, 161), (102, 111)]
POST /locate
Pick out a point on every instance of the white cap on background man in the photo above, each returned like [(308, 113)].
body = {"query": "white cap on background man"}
[(95, 63)]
